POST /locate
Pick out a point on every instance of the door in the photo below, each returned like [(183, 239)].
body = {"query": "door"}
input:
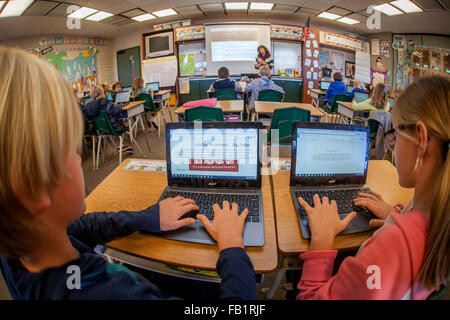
[(128, 65)]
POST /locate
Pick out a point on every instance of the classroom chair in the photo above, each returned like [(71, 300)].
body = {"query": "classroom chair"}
[(105, 129), (225, 94), (282, 120), (150, 107), (270, 95), (335, 117), (379, 122), (203, 113)]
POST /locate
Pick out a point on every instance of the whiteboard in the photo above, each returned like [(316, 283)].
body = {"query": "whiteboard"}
[(163, 70)]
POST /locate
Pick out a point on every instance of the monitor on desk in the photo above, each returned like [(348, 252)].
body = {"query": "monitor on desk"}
[(323, 85), (361, 96), (152, 85), (350, 89), (122, 97)]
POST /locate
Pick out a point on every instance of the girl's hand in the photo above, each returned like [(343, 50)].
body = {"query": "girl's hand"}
[(375, 203), (171, 209), (324, 222), (227, 226)]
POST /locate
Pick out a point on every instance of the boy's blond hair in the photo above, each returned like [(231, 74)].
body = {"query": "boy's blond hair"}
[(40, 130), (96, 91)]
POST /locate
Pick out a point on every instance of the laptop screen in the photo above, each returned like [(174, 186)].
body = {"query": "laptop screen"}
[(349, 89), (87, 100), (122, 97), (324, 85), (152, 85), (331, 151), (213, 153), (391, 102), (127, 89), (361, 96)]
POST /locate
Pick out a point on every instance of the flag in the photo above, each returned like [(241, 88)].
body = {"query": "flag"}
[(307, 29)]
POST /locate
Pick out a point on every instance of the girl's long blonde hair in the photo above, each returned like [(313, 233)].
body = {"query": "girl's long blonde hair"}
[(428, 100), (40, 130)]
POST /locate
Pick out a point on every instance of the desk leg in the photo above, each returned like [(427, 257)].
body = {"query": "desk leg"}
[(286, 263), (145, 133)]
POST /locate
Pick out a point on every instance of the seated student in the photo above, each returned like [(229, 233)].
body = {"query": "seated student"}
[(138, 88), (356, 88), (410, 251), (44, 233), (106, 88), (224, 82), (115, 87), (369, 89), (260, 84), (378, 100), (336, 87)]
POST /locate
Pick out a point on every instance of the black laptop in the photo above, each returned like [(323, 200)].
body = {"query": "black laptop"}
[(211, 162), (330, 160), (122, 98)]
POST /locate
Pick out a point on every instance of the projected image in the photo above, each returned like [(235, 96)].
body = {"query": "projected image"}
[(233, 50)]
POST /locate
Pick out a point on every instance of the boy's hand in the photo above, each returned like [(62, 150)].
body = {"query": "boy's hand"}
[(171, 209), (227, 226), (375, 203), (324, 222)]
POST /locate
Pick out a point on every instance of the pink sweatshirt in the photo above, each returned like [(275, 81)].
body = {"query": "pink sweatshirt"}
[(397, 249)]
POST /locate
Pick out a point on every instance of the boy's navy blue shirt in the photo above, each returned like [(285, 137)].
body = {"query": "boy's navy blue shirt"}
[(105, 281), (224, 84)]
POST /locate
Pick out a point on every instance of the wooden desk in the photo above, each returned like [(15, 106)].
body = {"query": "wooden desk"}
[(269, 107), (135, 109), (227, 106), (346, 109), (381, 177), (136, 190), (315, 94)]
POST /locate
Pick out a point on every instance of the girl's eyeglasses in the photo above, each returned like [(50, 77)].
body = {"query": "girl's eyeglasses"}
[(390, 137)]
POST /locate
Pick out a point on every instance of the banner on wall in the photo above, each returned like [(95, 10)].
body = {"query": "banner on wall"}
[(343, 41)]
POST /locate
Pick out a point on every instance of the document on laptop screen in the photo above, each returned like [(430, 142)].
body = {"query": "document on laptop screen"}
[(214, 153), (325, 152)]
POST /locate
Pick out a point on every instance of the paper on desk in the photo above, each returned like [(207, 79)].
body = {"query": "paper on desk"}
[(146, 165), (280, 165)]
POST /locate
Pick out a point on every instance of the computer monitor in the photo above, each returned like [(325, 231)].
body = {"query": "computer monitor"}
[(122, 97), (361, 96), (326, 72), (323, 85), (350, 89), (152, 85), (87, 100), (127, 89), (391, 102)]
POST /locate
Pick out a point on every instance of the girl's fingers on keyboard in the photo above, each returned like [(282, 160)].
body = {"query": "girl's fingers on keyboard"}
[(304, 204), (316, 200)]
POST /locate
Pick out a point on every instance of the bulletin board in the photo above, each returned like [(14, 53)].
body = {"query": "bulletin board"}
[(192, 58), (378, 76), (162, 70)]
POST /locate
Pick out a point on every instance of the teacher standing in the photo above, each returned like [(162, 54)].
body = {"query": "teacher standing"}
[(264, 58)]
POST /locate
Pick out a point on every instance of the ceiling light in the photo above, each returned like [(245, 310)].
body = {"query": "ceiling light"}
[(261, 6), (1, 5), (347, 20), (82, 13), (99, 16), (236, 5), (387, 9), (14, 8), (330, 16), (164, 13), (144, 17), (406, 6)]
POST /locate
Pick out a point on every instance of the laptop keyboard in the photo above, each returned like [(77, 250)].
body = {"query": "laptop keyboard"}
[(204, 201), (343, 198)]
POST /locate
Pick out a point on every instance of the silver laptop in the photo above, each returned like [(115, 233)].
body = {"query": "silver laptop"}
[(212, 163), (330, 160), (122, 97)]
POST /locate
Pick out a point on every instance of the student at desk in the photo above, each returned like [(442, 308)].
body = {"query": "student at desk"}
[(116, 87), (224, 82), (260, 84), (138, 88), (336, 87), (378, 100), (357, 88), (45, 237), (408, 257)]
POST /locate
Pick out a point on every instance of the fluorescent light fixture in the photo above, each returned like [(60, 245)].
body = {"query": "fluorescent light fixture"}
[(347, 20), (164, 13), (406, 6), (14, 8), (82, 13), (330, 16), (1, 4), (99, 16), (144, 17), (236, 5), (261, 6), (387, 9)]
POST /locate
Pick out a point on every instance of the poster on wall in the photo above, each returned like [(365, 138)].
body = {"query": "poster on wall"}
[(349, 70), (77, 68), (375, 44), (385, 49), (399, 42)]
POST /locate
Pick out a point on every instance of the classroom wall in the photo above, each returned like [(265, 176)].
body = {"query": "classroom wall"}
[(122, 42), (387, 63), (105, 68), (346, 56)]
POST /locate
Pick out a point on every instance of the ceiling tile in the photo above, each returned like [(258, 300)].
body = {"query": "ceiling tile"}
[(320, 5), (114, 19), (212, 8), (40, 7), (282, 8), (187, 10), (339, 11), (309, 11), (60, 10), (133, 13)]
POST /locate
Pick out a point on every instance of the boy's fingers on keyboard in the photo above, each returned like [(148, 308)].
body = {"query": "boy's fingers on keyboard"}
[(178, 198), (244, 214), (304, 204), (186, 201), (316, 200), (333, 204), (225, 205), (368, 196), (215, 207), (376, 195), (184, 222), (204, 220), (234, 207), (325, 200)]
